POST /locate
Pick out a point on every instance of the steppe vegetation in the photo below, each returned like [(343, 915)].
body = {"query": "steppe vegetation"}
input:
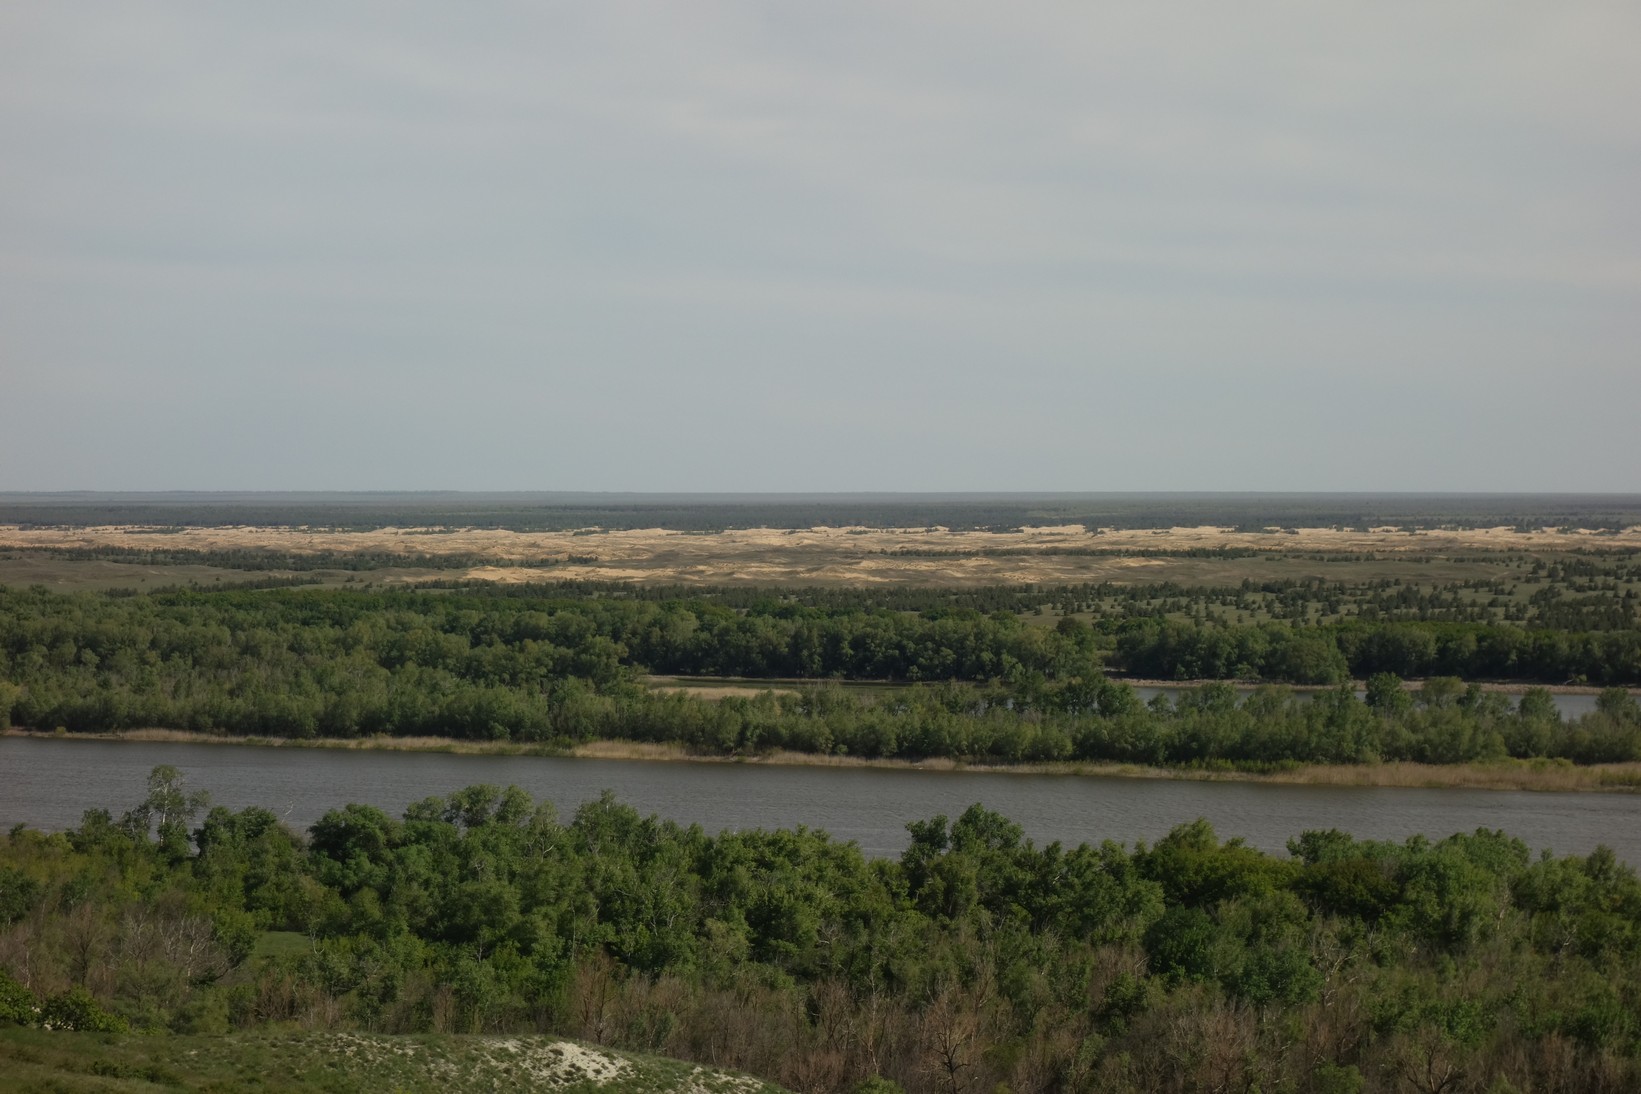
[(1202, 557), (1394, 637)]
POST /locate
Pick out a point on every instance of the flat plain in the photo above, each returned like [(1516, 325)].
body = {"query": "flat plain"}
[(819, 556)]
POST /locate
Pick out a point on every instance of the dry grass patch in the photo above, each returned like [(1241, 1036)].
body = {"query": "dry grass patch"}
[(719, 691), (1548, 775)]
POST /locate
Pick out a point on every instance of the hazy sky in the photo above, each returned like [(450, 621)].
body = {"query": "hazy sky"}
[(840, 246)]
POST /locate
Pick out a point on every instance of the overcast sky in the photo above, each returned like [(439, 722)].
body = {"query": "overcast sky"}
[(841, 246)]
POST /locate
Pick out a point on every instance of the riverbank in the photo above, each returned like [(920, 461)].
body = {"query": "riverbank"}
[(1538, 775), (342, 744), (1548, 775)]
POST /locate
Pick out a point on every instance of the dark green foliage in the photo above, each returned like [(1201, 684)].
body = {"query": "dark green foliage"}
[(18, 892), (553, 672), (1188, 963), (1194, 868), (1172, 649)]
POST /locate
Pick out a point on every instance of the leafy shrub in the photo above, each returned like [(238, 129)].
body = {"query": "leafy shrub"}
[(76, 1010)]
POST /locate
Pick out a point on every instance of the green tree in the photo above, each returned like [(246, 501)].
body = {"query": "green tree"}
[(17, 1004), (166, 812), (1386, 696)]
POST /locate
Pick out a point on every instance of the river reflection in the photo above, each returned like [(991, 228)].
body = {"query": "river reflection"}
[(49, 783)]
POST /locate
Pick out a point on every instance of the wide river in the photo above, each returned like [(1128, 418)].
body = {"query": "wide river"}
[(48, 784)]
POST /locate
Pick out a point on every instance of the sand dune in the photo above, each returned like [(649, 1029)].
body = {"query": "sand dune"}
[(820, 556)]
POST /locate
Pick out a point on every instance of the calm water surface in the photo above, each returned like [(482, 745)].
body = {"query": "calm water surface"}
[(48, 784)]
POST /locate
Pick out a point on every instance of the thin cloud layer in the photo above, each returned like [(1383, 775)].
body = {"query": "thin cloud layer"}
[(855, 246)]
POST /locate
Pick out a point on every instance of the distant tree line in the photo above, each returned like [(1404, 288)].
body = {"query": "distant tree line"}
[(344, 663), (1179, 650), (1000, 512)]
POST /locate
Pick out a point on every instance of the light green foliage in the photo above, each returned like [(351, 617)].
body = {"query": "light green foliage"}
[(17, 1004), (166, 812), (1386, 696), (76, 1011), (788, 954)]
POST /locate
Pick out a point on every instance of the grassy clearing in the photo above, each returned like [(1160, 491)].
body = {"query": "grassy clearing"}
[(71, 1062), (282, 944), (98, 575), (773, 567), (722, 691), (722, 687)]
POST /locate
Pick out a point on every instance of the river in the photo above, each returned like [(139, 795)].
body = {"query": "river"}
[(48, 784)]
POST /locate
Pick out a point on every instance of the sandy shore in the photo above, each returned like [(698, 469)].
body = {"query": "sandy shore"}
[(1544, 775)]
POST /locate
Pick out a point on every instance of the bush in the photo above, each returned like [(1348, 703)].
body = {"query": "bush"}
[(76, 1010), (17, 1003)]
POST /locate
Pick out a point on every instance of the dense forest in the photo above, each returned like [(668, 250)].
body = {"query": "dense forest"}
[(554, 672), (977, 962), (1582, 590)]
